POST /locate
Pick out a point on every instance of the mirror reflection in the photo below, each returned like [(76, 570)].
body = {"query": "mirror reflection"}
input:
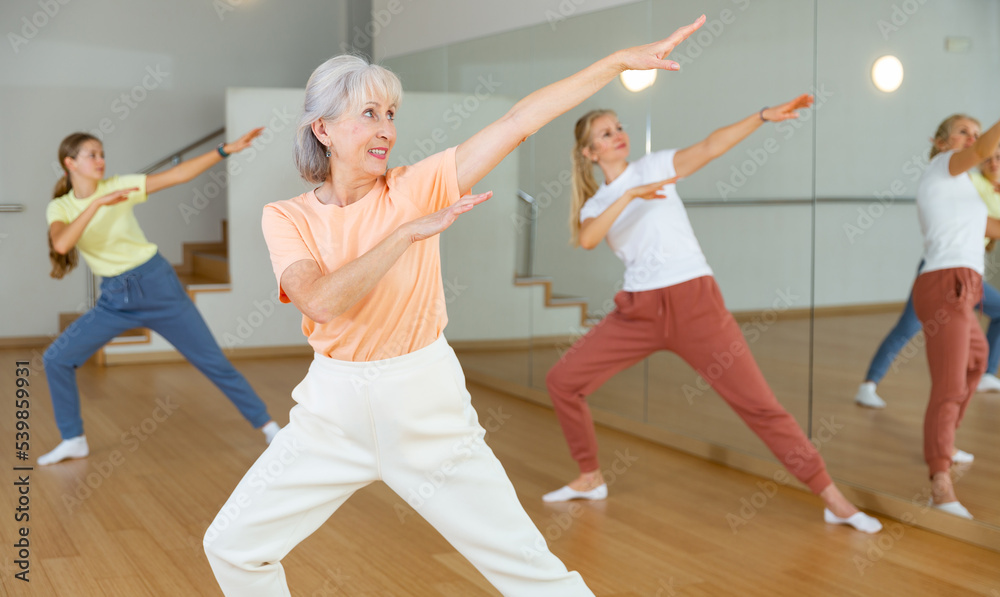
[(809, 227), (872, 374)]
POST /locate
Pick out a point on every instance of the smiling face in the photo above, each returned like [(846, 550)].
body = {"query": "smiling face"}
[(991, 167), (963, 133), (609, 143), (364, 136), (89, 161)]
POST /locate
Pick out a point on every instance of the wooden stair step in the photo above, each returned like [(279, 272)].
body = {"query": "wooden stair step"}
[(213, 265), (65, 319)]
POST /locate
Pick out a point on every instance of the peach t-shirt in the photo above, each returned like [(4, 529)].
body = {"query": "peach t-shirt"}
[(405, 311)]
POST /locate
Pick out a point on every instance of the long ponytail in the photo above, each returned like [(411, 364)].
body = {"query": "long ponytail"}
[(69, 148), (584, 184)]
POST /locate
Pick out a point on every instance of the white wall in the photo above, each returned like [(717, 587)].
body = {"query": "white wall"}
[(405, 26), (70, 75)]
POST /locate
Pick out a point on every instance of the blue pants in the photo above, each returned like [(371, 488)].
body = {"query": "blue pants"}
[(147, 296), (908, 326)]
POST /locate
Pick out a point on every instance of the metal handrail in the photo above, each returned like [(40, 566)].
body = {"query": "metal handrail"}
[(12, 207), (175, 158), (532, 212)]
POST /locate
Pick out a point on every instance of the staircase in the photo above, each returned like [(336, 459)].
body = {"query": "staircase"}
[(553, 301)]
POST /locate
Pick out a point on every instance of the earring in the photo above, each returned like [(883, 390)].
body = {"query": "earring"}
[(327, 153)]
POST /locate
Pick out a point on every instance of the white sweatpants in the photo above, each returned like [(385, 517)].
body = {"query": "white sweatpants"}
[(407, 421)]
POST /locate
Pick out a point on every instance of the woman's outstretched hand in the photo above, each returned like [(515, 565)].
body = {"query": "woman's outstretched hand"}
[(435, 223), (654, 55), (788, 109), (653, 190), (115, 197), (243, 142)]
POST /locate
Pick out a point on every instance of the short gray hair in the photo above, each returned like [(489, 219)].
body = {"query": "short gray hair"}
[(339, 85)]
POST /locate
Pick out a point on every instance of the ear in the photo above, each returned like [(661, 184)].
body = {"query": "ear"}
[(587, 153), (319, 130), (69, 164)]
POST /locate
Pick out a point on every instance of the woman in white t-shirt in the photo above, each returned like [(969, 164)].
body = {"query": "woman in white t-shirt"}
[(669, 301), (953, 220)]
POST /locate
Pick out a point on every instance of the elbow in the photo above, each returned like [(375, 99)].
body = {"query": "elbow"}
[(517, 122), (61, 248), (321, 313), (587, 244)]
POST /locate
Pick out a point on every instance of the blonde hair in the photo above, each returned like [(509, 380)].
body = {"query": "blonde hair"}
[(337, 86), (584, 184), (69, 148), (944, 130)]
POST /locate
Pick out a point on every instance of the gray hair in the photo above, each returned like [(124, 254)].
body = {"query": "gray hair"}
[(337, 86)]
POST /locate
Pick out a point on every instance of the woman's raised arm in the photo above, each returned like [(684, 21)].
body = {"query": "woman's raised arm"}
[(487, 148)]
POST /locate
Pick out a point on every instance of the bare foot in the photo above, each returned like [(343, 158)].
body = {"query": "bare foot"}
[(587, 481), (942, 489), (836, 502)]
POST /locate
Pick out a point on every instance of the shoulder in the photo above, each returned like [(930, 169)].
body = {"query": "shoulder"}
[(427, 167), (295, 208), (660, 162)]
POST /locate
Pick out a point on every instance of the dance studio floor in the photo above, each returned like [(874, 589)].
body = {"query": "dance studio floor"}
[(167, 448)]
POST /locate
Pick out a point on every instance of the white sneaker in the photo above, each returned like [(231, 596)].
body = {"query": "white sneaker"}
[(567, 493), (75, 447), (270, 430), (866, 396), (859, 520), (962, 457), (988, 383), (955, 508)]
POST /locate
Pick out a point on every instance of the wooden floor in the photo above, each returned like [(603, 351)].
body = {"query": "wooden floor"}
[(167, 448), (876, 449)]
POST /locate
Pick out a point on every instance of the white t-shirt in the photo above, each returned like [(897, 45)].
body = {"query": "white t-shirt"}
[(952, 218), (653, 237)]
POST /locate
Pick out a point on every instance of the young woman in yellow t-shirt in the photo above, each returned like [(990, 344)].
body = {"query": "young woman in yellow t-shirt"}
[(92, 215)]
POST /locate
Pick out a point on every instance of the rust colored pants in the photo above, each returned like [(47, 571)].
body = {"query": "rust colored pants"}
[(691, 320), (945, 302)]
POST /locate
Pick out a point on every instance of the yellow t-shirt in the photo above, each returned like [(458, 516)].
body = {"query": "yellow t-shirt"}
[(405, 311), (988, 194), (112, 243)]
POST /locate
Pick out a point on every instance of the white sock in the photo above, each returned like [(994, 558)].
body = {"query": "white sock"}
[(75, 447), (270, 430), (859, 520)]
